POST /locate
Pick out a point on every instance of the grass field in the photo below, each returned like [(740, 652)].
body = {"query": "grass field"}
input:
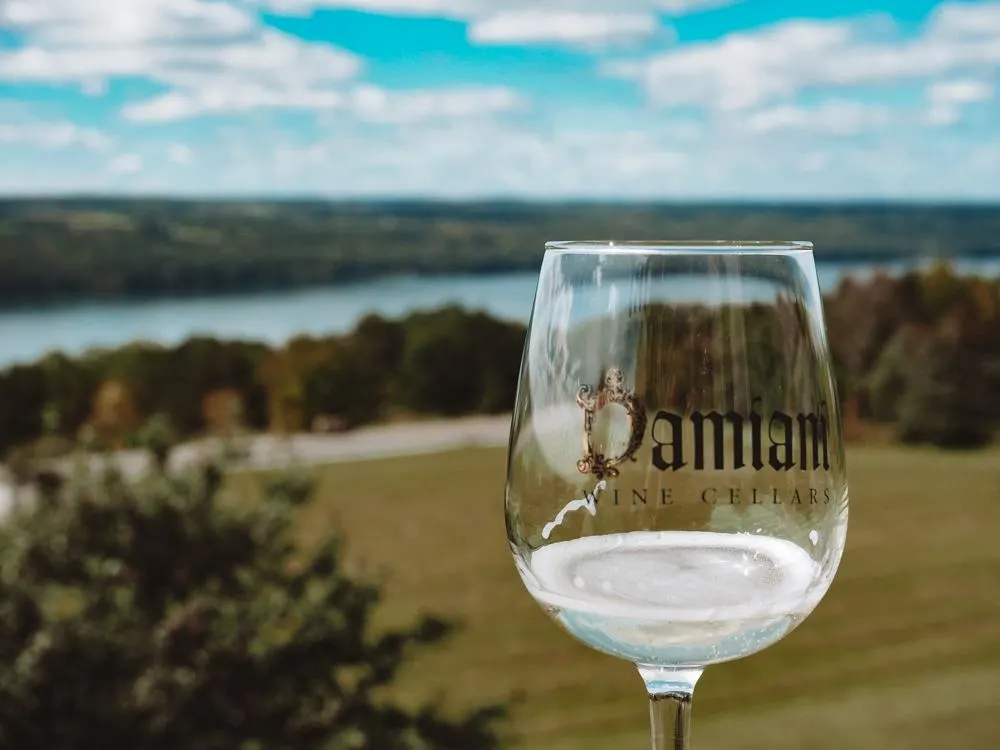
[(903, 654)]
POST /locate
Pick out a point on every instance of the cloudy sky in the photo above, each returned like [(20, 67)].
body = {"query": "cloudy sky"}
[(535, 98)]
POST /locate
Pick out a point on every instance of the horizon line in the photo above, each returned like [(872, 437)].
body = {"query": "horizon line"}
[(901, 201)]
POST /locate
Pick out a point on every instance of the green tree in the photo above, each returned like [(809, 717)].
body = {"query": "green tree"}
[(154, 615), (22, 402), (943, 402), (459, 362), (379, 344), (888, 380), (71, 385), (345, 388), (441, 369)]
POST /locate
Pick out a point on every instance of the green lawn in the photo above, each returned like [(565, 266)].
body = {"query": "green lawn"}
[(903, 654)]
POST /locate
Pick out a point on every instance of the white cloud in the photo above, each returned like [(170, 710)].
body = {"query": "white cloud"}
[(466, 9), (208, 57), (374, 104), (741, 70), (581, 23), (834, 117), (368, 103), (269, 58), (745, 70), (450, 160), (647, 161), (563, 27), (968, 20), (948, 98), (814, 161), (450, 8), (960, 91), (211, 56), (94, 87), (227, 97), (53, 135), (180, 154), (213, 59), (126, 164), (621, 156), (81, 23)]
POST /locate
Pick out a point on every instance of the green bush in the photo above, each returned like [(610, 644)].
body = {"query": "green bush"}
[(158, 437), (158, 615)]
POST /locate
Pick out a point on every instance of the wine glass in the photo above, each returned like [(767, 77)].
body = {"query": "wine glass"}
[(676, 490)]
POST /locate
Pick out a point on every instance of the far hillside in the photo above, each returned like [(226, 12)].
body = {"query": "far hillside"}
[(108, 248)]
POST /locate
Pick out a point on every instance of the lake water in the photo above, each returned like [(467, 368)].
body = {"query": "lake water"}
[(274, 317)]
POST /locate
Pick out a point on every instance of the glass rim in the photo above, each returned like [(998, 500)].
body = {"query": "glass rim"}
[(764, 247)]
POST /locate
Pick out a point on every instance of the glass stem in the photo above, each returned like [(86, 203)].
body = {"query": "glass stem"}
[(670, 694), (670, 716)]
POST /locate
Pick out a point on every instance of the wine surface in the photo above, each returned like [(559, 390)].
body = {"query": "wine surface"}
[(676, 598)]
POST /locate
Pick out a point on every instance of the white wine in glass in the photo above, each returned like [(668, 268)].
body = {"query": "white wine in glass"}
[(676, 488)]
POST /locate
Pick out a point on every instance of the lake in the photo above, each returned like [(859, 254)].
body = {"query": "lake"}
[(274, 317)]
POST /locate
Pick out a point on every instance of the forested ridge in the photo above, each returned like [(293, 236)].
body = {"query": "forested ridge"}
[(109, 248)]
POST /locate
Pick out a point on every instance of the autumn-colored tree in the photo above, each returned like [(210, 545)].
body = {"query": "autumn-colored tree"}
[(114, 416), (284, 373), (223, 412)]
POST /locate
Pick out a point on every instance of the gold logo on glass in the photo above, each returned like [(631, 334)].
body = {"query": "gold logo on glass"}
[(612, 391)]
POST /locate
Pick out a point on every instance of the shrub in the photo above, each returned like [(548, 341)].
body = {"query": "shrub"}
[(157, 615)]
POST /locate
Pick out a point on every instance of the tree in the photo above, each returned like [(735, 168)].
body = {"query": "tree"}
[(862, 318), (22, 401), (223, 412), (441, 370), (458, 362), (284, 373), (343, 388), (379, 344), (888, 379), (153, 615), (70, 386), (114, 417), (943, 400)]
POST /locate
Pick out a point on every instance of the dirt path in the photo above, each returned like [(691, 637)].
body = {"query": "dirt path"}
[(381, 441)]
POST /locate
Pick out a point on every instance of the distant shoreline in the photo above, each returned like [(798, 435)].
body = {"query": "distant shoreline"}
[(828, 259), (272, 319)]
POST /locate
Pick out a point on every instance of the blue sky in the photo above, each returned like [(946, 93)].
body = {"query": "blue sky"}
[(620, 99)]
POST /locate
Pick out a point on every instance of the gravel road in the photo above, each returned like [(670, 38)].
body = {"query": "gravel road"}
[(381, 441)]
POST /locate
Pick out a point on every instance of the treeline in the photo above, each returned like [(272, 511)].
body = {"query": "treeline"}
[(447, 362), (921, 352), (72, 249)]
